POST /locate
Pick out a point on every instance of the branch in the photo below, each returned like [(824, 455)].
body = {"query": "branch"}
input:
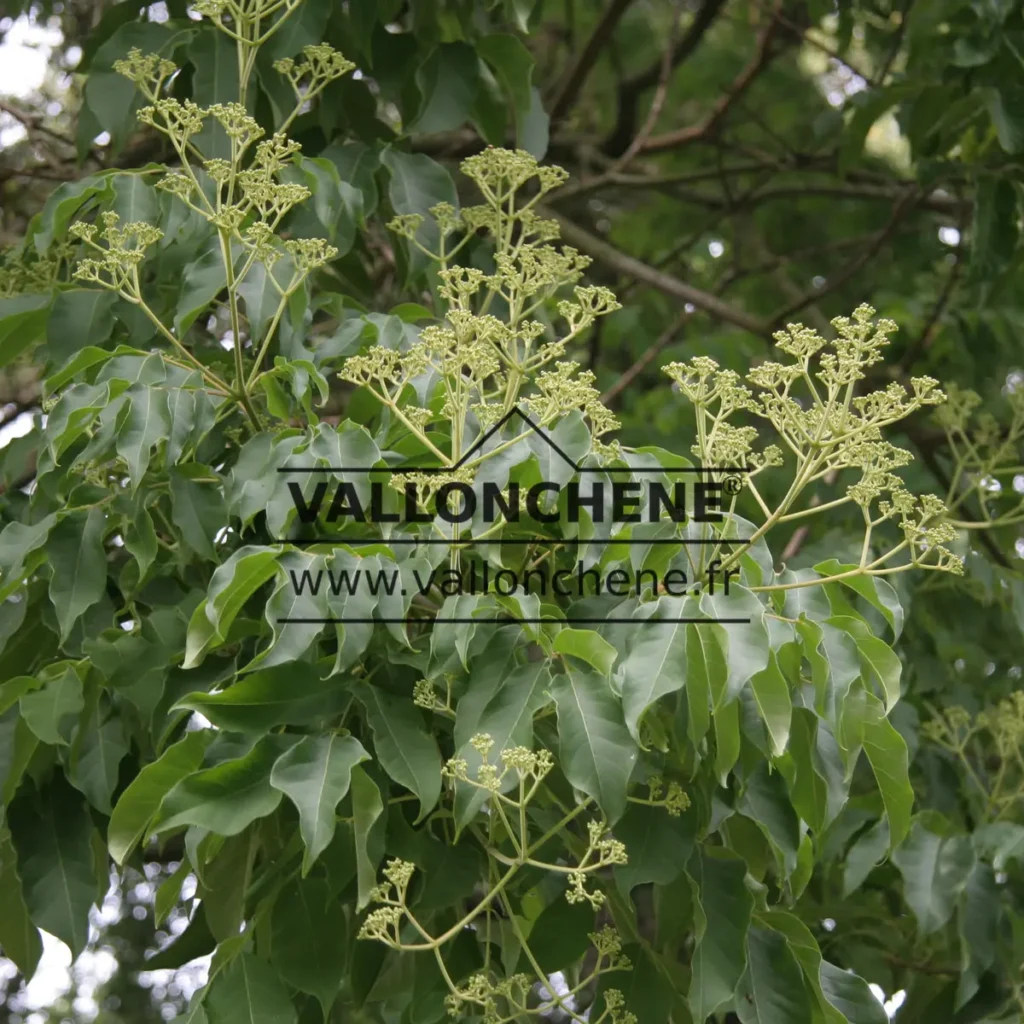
[(901, 29), (632, 267), (762, 57), (936, 201), (924, 340), (929, 459), (665, 338), (803, 33), (901, 209), (35, 122), (577, 74), (631, 89), (656, 104)]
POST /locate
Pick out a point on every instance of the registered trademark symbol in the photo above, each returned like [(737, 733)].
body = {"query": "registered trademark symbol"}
[(732, 485)]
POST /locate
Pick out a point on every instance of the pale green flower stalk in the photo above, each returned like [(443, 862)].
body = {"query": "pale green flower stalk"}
[(812, 405)]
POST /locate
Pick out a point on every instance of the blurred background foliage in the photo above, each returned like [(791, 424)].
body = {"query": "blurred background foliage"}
[(735, 165)]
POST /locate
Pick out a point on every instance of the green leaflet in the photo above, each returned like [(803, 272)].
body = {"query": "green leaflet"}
[(224, 884), (79, 318), (705, 662), (503, 707), (19, 937), (367, 809), (229, 796), (814, 770), (75, 551), (772, 989), (101, 748), (722, 908), (588, 645), (513, 63), (48, 711), (22, 323), (865, 854), (139, 802), (246, 992), (406, 751), (656, 663), (287, 695), (657, 845), (52, 835), (309, 937), (315, 775), (597, 753), (746, 644), (875, 590), (291, 640), (935, 869), (727, 739), (842, 997), (887, 752), (418, 183), (147, 423), (771, 692), (199, 513)]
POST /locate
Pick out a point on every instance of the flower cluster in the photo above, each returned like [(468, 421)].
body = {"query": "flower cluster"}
[(501, 1001), (117, 266), (672, 798), (489, 360), (603, 850), (148, 71), (812, 405), (31, 271), (988, 745), (525, 763), (320, 64)]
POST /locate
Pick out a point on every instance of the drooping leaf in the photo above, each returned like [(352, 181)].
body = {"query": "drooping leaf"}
[(246, 992), (48, 711), (140, 801), (596, 750), (101, 750), (887, 752), (309, 940), (406, 751), (315, 775), (286, 695), (19, 937), (75, 551), (656, 663), (52, 835), (22, 323), (935, 869), (772, 989), (229, 796), (722, 909), (587, 645), (502, 707), (367, 808)]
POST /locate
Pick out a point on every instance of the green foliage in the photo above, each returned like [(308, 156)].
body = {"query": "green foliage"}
[(398, 804)]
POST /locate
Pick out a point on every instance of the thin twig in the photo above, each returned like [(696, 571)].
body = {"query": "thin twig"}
[(632, 88), (896, 45), (681, 137), (656, 104), (902, 208), (666, 338), (577, 74), (924, 340), (34, 122), (628, 265)]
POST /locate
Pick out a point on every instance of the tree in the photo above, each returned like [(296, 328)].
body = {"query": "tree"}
[(484, 657)]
